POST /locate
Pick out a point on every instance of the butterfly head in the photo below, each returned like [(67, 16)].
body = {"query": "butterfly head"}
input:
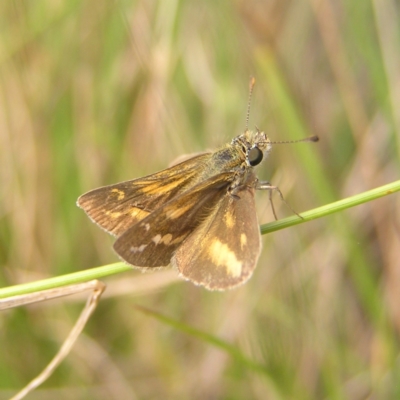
[(255, 146)]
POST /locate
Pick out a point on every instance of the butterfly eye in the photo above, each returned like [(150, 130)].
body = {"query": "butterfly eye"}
[(255, 156)]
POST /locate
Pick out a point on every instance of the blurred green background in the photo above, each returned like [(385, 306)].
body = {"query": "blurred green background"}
[(95, 92)]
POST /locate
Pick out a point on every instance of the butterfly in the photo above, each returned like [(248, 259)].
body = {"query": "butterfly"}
[(198, 215)]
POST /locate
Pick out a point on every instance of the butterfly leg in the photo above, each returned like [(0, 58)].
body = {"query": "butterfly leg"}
[(265, 185)]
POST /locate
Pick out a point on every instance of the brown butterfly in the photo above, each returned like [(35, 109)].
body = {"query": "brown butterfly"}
[(198, 215)]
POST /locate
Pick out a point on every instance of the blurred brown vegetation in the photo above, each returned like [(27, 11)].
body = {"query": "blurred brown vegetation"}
[(95, 92)]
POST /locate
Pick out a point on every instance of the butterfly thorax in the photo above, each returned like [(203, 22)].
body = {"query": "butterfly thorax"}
[(240, 156)]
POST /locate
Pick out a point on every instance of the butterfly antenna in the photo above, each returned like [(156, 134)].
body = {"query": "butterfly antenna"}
[(251, 86), (313, 138)]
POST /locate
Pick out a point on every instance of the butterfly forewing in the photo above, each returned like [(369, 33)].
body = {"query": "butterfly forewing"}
[(223, 251), (153, 241), (116, 208)]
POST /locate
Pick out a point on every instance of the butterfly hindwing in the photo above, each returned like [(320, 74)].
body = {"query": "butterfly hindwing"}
[(223, 251)]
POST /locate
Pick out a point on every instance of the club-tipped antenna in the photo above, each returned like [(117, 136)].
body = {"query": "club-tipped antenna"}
[(313, 138), (251, 86)]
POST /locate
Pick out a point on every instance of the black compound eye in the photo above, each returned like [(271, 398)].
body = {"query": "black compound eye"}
[(255, 156)]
